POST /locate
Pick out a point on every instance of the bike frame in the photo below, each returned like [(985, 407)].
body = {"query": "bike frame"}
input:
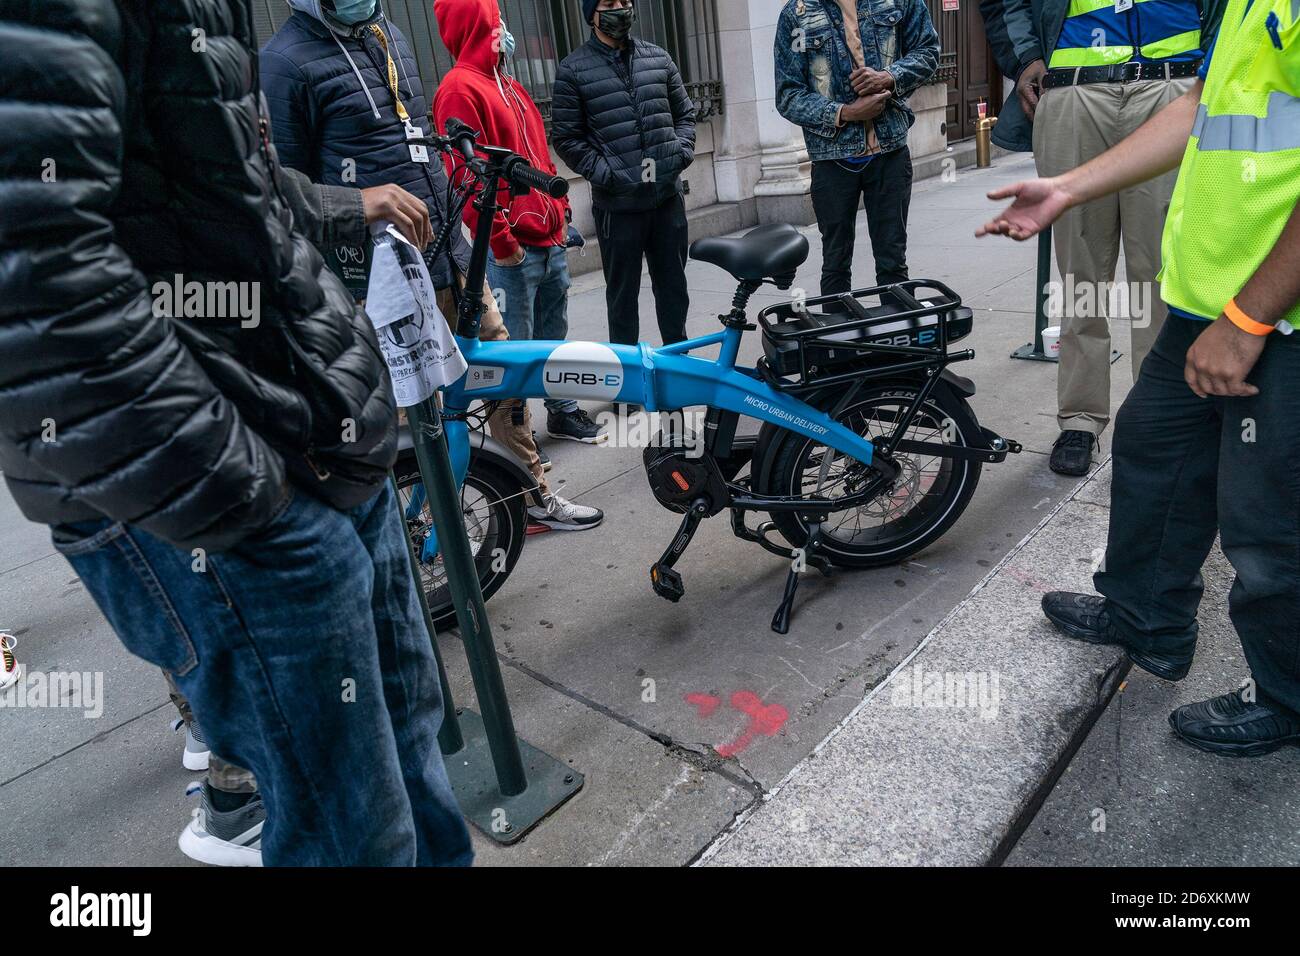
[(662, 379)]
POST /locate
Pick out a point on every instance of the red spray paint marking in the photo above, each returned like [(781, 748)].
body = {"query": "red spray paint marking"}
[(765, 719), (705, 704)]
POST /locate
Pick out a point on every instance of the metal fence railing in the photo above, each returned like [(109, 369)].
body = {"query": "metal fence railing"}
[(546, 31)]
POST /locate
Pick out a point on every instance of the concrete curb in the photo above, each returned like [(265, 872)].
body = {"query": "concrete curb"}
[(899, 781)]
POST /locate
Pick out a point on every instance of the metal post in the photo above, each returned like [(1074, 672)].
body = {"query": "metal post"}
[(504, 785), (466, 595), (1034, 351), (450, 739)]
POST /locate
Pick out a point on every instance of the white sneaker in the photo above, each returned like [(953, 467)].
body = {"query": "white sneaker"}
[(564, 515), (10, 669), (231, 838), (197, 754)]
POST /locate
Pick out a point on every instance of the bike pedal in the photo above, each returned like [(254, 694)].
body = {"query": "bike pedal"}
[(667, 583)]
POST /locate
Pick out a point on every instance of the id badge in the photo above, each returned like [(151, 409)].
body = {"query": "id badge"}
[(1123, 6), (413, 131), (419, 152)]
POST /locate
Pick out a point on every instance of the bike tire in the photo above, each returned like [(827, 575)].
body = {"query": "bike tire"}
[(934, 503), (496, 521)]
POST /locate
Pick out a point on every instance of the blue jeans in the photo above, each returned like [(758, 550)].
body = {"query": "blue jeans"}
[(304, 654), (534, 297)]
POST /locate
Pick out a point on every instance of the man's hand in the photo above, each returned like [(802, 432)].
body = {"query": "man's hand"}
[(396, 205), (1221, 358), (1039, 203), (1029, 86), (514, 260), (865, 108), (866, 81)]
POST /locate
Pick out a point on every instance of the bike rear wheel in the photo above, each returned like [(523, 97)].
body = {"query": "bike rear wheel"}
[(496, 522), (929, 496)]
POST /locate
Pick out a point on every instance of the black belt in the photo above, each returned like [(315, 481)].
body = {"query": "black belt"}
[(1120, 73)]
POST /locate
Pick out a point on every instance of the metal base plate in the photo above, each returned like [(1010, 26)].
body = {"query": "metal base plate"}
[(1027, 352), (473, 778)]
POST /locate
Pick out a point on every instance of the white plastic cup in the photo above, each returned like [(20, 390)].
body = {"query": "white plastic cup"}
[(1052, 340)]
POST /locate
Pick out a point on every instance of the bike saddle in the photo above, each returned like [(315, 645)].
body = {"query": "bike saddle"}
[(773, 251)]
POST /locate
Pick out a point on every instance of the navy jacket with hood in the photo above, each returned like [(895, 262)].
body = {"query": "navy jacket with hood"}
[(333, 116)]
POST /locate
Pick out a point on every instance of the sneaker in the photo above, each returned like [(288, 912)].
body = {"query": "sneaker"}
[(1235, 727), (10, 670), (196, 755), (564, 515), (1085, 617), (224, 837), (575, 426), (544, 458), (1072, 453)]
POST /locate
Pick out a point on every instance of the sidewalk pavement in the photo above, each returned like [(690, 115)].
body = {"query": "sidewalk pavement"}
[(601, 673), (949, 759)]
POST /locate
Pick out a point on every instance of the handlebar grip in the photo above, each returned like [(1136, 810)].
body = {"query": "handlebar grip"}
[(520, 174)]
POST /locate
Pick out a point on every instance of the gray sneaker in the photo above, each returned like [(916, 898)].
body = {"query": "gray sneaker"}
[(563, 515), (224, 838), (197, 755)]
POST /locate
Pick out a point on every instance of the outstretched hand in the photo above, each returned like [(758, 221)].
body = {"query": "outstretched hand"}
[(1038, 204)]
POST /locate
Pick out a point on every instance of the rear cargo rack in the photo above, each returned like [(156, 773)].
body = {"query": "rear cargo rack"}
[(803, 342)]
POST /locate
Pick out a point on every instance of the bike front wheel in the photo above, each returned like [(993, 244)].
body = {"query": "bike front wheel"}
[(496, 520), (929, 496)]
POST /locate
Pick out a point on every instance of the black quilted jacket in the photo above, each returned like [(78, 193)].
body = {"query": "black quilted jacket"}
[(607, 119), (132, 153)]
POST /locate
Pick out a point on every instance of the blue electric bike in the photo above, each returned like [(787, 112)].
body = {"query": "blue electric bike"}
[(866, 452)]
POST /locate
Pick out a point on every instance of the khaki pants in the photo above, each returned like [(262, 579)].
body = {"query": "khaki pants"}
[(1072, 125), (512, 423)]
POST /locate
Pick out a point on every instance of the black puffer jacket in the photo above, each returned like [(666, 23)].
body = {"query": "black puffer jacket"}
[(607, 119), (132, 154), (341, 127)]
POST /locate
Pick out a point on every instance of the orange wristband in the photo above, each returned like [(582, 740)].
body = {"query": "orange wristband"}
[(1244, 322)]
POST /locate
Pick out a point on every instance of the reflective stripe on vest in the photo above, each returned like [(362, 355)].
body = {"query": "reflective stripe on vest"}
[(1278, 129), (1091, 22), (1240, 178)]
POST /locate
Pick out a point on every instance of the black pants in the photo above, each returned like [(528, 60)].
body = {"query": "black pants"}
[(884, 188), (657, 237), (1186, 467)]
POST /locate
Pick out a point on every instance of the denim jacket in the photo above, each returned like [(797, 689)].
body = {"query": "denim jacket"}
[(813, 64)]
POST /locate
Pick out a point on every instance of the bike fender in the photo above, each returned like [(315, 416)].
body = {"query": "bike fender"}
[(960, 384), (465, 447), (486, 448), (478, 445)]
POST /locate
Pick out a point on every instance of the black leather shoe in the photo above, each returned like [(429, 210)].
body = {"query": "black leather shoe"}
[(1084, 617), (1235, 727), (1072, 453)]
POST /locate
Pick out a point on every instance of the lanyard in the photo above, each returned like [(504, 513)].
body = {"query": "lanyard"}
[(404, 116)]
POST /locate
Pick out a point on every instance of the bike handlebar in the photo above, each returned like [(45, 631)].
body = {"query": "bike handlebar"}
[(511, 167), (520, 174)]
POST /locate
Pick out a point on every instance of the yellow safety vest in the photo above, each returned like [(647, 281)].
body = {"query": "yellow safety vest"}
[(1240, 177)]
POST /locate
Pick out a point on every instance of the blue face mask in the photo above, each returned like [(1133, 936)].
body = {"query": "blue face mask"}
[(353, 11), (507, 41)]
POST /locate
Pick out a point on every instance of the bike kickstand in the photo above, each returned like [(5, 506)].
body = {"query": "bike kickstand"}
[(666, 582), (781, 619)]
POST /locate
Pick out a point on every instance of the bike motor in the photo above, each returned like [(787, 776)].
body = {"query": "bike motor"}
[(681, 473)]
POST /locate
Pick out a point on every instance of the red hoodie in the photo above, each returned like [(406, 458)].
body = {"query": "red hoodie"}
[(484, 98)]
